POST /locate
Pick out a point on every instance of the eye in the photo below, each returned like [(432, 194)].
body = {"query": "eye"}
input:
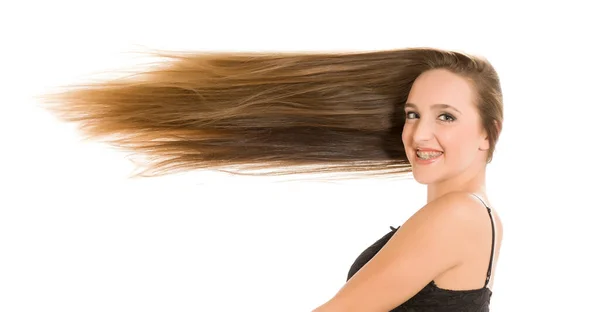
[(411, 115), (447, 117)]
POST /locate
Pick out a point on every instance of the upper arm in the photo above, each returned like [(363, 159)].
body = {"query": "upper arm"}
[(432, 241)]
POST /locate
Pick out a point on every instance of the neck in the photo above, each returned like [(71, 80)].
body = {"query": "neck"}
[(472, 182)]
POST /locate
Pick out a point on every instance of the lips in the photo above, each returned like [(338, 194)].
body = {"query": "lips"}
[(428, 154)]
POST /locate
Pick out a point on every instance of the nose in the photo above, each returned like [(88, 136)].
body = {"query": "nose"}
[(423, 131)]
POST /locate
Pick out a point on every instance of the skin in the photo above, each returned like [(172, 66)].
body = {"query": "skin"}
[(449, 239)]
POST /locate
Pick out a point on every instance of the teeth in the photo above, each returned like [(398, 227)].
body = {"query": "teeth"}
[(428, 155)]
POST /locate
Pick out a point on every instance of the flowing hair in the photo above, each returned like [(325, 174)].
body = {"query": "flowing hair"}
[(275, 113)]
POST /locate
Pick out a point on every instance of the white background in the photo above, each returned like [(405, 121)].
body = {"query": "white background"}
[(77, 235)]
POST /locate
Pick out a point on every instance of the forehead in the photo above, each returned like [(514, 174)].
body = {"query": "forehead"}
[(441, 86)]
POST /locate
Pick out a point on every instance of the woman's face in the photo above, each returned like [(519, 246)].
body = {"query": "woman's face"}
[(442, 135)]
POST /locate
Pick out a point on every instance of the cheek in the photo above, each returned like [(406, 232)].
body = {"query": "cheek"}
[(406, 135), (459, 143)]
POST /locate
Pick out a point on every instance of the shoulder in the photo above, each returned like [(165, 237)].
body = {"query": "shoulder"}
[(459, 213), (446, 228)]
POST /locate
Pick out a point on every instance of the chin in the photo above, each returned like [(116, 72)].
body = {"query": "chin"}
[(423, 180), (425, 177)]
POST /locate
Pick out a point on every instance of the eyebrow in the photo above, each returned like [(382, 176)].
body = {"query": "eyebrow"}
[(439, 106)]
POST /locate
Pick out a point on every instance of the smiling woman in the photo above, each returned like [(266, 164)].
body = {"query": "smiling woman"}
[(433, 112)]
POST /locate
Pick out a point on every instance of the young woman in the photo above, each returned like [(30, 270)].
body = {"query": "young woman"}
[(435, 113)]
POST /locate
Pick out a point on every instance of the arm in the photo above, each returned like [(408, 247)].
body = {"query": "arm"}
[(432, 241)]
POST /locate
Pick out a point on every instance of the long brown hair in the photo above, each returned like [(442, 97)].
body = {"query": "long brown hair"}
[(280, 112)]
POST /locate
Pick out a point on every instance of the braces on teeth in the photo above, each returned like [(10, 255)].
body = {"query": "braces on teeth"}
[(428, 155)]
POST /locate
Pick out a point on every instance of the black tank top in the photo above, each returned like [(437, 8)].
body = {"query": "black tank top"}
[(432, 298)]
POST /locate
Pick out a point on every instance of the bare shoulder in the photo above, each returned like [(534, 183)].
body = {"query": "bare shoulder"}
[(449, 225), (469, 217), (462, 208), (459, 215)]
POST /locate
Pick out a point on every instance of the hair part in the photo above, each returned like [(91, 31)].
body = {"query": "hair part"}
[(286, 113)]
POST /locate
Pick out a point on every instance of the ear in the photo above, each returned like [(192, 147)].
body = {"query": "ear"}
[(485, 143)]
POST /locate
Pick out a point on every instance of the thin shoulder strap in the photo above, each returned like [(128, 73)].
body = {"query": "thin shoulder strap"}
[(489, 272)]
